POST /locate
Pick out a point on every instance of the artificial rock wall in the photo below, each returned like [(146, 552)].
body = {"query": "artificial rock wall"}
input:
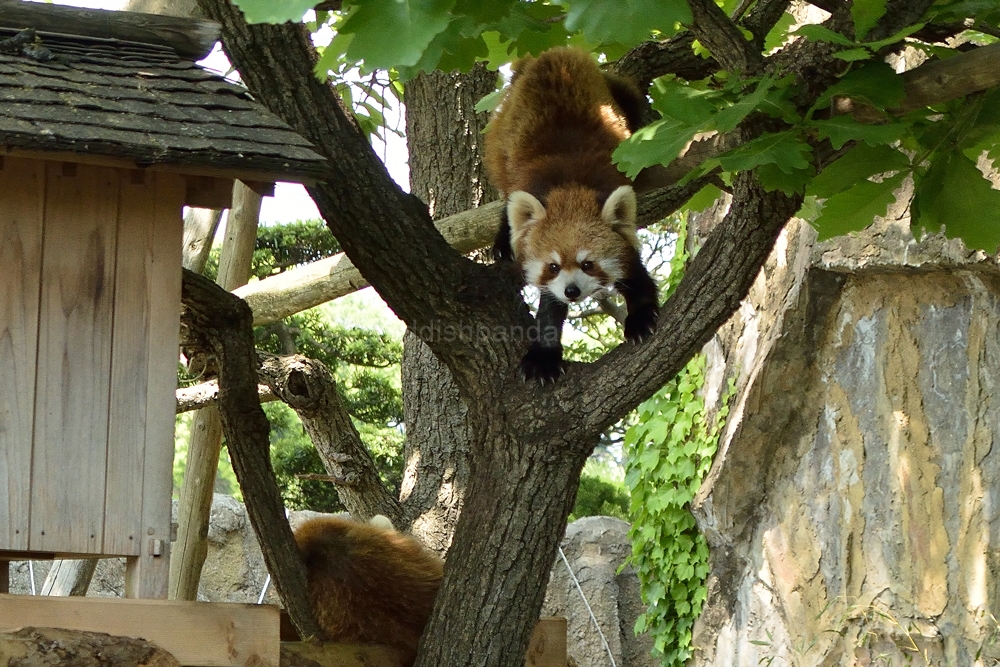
[(853, 511)]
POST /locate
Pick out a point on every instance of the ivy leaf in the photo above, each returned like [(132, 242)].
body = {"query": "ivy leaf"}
[(857, 165), (268, 11), (625, 21), (841, 129), (856, 207), (866, 13), (954, 194), (390, 34), (875, 83)]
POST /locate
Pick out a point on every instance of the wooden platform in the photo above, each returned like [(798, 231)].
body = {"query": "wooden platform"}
[(203, 634)]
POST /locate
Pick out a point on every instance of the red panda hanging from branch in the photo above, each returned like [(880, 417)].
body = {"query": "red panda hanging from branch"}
[(570, 216)]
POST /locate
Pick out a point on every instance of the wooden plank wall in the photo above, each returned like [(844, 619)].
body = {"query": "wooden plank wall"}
[(95, 257), (20, 260)]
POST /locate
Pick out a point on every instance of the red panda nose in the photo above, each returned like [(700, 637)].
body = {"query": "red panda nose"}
[(572, 292)]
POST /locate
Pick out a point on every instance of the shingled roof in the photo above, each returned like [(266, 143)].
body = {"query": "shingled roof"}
[(143, 103)]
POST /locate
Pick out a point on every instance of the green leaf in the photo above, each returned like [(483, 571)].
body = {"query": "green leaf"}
[(704, 198), (842, 129), (658, 143), (772, 178), (783, 149), (683, 102), (727, 119), (875, 83), (820, 33), (857, 165), (268, 11), (866, 13), (954, 194), (779, 33), (534, 27), (856, 207), (625, 21), (854, 55), (390, 34)]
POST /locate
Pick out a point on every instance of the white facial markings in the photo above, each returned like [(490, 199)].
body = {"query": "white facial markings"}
[(581, 256), (613, 269), (533, 272), (587, 284)]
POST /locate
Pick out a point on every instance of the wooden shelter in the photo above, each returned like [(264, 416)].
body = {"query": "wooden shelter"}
[(107, 129)]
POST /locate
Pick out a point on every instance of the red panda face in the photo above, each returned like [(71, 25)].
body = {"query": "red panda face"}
[(572, 247)]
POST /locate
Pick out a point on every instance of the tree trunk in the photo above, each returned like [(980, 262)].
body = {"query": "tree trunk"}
[(444, 138)]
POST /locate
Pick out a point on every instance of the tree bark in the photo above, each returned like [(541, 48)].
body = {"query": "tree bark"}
[(444, 139)]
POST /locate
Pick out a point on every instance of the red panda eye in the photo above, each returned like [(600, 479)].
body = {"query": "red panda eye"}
[(587, 266), (553, 267)]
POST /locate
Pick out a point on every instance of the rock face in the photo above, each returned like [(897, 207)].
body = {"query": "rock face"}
[(852, 511), (595, 547)]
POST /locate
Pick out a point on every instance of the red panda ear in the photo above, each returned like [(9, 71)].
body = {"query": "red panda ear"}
[(523, 210), (619, 212)]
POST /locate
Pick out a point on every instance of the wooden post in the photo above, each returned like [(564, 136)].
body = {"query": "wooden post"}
[(69, 577), (195, 504)]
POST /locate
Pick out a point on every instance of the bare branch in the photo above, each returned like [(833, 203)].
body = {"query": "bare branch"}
[(308, 387), (207, 393), (223, 322)]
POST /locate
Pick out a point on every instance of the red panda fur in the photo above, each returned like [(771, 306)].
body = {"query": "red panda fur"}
[(368, 584), (570, 216), (552, 138), (558, 122)]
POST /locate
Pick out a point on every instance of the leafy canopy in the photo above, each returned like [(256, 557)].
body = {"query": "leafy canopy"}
[(944, 150)]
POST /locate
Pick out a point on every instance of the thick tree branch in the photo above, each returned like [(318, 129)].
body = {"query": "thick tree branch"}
[(723, 38), (221, 322), (387, 233), (308, 387), (276, 298)]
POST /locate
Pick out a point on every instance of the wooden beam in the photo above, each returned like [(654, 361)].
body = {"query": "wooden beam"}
[(183, 169), (189, 38), (547, 649), (208, 192), (209, 634)]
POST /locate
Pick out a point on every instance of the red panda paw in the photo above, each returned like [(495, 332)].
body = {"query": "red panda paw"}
[(641, 324), (543, 364)]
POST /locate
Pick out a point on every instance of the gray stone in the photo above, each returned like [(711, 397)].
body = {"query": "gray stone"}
[(595, 548)]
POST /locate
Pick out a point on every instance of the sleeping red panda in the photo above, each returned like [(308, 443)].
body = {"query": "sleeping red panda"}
[(570, 215), (368, 583)]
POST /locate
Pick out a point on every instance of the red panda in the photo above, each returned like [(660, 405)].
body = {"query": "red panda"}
[(368, 583), (570, 215)]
